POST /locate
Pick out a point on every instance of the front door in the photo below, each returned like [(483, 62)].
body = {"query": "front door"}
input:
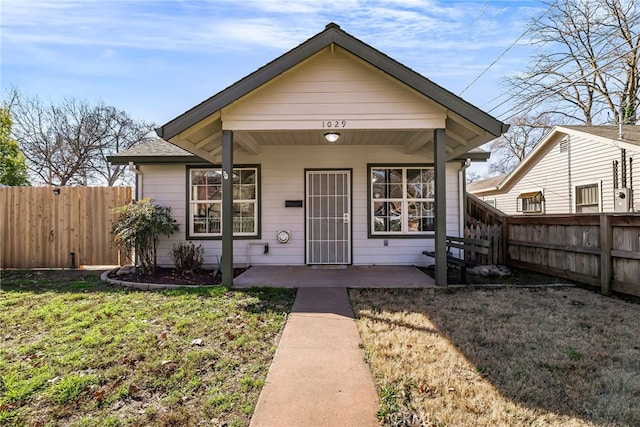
[(328, 211)]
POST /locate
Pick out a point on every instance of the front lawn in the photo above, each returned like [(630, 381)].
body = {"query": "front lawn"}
[(74, 351), (502, 357)]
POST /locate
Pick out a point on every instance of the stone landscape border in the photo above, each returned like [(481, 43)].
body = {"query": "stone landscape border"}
[(145, 286)]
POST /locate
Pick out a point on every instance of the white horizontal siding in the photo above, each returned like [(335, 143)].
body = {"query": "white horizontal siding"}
[(549, 175), (558, 173), (283, 178), (592, 162), (333, 85)]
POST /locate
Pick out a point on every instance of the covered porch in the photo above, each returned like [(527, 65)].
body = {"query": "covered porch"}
[(382, 114)]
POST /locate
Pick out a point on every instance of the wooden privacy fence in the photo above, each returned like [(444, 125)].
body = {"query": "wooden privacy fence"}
[(45, 227), (596, 249)]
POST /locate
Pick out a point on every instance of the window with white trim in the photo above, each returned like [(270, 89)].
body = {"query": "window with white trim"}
[(587, 198), (530, 202), (205, 205), (402, 200)]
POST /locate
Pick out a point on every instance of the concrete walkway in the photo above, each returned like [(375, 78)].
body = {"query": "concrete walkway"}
[(318, 376)]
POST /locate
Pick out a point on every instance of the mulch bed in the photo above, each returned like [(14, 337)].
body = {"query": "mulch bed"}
[(169, 276)]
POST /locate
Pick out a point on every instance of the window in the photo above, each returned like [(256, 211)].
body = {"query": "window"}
[(587, 198), (402, 200), (205, 205), (530, 202)]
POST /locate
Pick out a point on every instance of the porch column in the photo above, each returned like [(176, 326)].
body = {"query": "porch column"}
[(227, 208), (439, 154)]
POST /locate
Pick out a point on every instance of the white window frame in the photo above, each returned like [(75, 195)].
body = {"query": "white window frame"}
[(404, 201), (195, 203), (574, 194), (520, 202)]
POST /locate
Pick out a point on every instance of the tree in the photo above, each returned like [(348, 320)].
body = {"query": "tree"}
[(13, 166), (67, 143), (473, 176), (589, 68), (512, 147)]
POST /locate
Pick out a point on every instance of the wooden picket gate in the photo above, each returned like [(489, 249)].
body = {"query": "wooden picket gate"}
[(45, 227), (491, 233)]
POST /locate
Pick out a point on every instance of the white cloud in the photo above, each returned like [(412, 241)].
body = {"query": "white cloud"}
[(153, 39)]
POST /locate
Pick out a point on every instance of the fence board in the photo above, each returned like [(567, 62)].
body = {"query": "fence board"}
[(575, 251), (486, 232), (39, 229), (596, 249)]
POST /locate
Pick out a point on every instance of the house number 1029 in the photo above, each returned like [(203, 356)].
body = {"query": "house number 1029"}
[(334, 124)]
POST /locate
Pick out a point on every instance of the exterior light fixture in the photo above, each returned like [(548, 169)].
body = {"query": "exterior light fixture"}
[(331, 137)]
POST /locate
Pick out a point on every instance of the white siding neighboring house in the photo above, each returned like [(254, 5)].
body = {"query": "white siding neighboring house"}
[(573, 169), (387, 189)]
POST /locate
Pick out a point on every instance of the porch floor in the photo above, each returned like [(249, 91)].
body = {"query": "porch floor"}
[(354, 276)]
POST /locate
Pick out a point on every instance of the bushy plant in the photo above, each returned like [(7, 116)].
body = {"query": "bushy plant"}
[(138, 227), (187, 257)]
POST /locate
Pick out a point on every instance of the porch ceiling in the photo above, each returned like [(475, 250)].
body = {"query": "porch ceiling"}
[(205, 138)]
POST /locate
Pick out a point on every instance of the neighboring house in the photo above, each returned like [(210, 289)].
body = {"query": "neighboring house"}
[(573, 169), (334, 153)]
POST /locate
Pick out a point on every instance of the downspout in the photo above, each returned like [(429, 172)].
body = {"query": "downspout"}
[(462, 191), (137, 196), (134, 168), (572, 205)]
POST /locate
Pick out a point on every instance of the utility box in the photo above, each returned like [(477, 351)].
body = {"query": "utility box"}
[(622, 200)]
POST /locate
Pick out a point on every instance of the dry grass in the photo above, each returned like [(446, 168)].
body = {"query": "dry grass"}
[(508, 356)]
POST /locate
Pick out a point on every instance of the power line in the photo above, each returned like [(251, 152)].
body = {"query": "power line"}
[(598, 41), (546, 97), (506, 50), (484, 8), (567, 85), (558, 65)]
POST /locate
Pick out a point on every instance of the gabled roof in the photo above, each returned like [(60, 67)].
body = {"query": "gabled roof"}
[(487, 183), (607, 134), (332, 35), (604, 134), (155, 151)]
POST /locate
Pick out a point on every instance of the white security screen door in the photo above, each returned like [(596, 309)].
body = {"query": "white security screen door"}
[(328, 212)]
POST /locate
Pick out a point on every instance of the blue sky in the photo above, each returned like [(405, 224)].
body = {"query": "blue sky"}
[(156, 59)]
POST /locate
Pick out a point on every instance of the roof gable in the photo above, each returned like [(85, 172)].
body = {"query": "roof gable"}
[(330, 36), (333, 83), (608, 135)]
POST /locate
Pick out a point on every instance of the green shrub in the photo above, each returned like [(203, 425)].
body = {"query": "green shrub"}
[(187, 257), (138, 227)]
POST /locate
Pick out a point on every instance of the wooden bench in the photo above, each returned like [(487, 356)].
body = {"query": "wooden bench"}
[(474, 246)]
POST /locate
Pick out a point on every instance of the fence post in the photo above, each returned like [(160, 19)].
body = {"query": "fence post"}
[(606, 239), (504, 246)]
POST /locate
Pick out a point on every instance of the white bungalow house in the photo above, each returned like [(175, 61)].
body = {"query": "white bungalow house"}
[(333, 153), (573, 169)]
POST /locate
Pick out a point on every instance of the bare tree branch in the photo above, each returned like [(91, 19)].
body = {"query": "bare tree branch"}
[(590, 62), (512, 147), (67, 143)]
